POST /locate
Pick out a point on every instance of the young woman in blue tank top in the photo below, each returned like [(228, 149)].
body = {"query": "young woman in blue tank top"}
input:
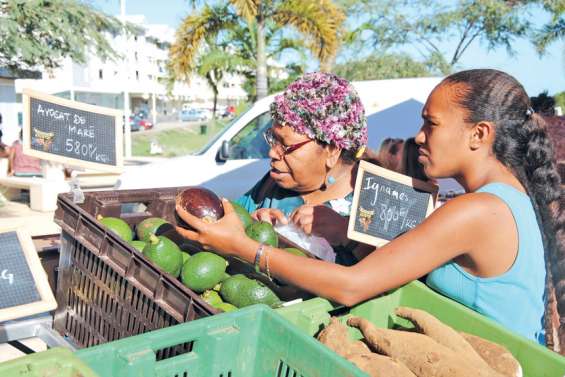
[(488, 248)]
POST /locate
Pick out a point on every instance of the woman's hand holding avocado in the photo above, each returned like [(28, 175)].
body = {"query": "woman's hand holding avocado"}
[(321, 221), (220, 236)]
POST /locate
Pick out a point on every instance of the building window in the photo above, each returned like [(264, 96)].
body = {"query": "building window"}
[(137, 75), (150, 77), (100, 74), (135, 55)]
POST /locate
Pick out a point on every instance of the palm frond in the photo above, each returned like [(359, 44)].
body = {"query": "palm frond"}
[(319, 20), (242, 39), (190, 36), (219, 60), (549, 33), (279, 45), (246, 8)]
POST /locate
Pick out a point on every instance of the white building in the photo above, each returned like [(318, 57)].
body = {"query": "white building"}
[(142, 77), (10, 107)]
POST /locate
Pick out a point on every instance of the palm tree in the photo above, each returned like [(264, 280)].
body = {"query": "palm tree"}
[(319, 21), (214, 64), (240, 42)]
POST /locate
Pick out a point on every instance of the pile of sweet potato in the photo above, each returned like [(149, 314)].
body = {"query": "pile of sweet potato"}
[(432, 350)]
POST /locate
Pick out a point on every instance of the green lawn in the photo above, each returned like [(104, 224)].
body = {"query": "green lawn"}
[(176, 141)]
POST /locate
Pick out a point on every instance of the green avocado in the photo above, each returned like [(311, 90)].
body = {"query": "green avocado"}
[(225, 306), (211, 297), (164, 253), (262, 231), (254, 292), (185, 257), (230, 289), (203, 271), (139, 245), (148, 227), (244, 216), (118, 226)]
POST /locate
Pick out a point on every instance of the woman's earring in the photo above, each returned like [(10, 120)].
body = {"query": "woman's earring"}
[(330, 180)]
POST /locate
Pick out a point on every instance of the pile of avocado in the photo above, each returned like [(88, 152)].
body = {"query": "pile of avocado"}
[(203, 272)]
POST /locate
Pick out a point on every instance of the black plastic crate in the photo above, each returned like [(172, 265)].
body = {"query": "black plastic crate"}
[(106, 289)]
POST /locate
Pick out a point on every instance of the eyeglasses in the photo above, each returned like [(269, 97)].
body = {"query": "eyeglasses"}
[(277, 145)]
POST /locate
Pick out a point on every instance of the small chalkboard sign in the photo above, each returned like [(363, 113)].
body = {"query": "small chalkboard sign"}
[(72, 133), (24, 287), (387, 204)]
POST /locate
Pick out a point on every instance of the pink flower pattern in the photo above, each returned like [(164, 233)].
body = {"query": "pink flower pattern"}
[(324, 107)]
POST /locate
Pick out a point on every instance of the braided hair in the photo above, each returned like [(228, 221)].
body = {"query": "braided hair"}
[(521, 144)]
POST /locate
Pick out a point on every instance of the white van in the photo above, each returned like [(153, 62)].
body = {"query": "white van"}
[(234, 160)]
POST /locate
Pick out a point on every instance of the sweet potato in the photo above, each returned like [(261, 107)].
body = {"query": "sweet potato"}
[(380, 366), (429, 325), (480, 351), (336, 337), (421, 354), (497, 356)]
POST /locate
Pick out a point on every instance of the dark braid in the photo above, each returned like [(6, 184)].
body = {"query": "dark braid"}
[(521, 144)]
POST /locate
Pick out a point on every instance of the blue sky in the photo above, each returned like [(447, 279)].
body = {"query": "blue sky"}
[(534, 72)]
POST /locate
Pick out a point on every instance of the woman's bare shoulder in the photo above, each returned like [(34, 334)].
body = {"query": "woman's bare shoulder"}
[(471, 209)]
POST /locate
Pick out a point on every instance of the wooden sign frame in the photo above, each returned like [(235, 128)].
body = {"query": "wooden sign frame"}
[(27, 94), (390, 175), (47, 301)]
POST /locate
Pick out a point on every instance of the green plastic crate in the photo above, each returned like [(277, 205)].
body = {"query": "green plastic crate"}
[(536, 361), (58, 362), (251, 342)]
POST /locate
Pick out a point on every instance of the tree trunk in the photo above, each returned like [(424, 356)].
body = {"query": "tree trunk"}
[(215, 102), (328, 64), (214, 82), (261, 75)]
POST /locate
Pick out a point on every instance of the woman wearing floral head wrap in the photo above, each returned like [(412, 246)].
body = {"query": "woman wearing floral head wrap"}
[(319, 125)]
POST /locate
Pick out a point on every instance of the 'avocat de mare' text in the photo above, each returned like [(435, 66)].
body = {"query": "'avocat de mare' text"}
[(79, 138)]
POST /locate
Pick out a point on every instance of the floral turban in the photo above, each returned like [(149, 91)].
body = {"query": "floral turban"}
[(324, 107)]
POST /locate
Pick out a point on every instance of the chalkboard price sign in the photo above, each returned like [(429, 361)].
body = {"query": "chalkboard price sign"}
[(387, 204), (24, 288), (72, 132)]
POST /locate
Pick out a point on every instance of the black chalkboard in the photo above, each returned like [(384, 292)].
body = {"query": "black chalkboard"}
[(17, 286), (387, 204), (24, 288), (70, 132)]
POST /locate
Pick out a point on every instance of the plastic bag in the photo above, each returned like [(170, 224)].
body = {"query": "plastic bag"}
[(313, 245)]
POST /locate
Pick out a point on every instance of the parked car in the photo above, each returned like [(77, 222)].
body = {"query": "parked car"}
[(226, 111), (137, 123), (235, 159), (134, 124), (142, 114), (207, 113), (192, 115), (146, 124)]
